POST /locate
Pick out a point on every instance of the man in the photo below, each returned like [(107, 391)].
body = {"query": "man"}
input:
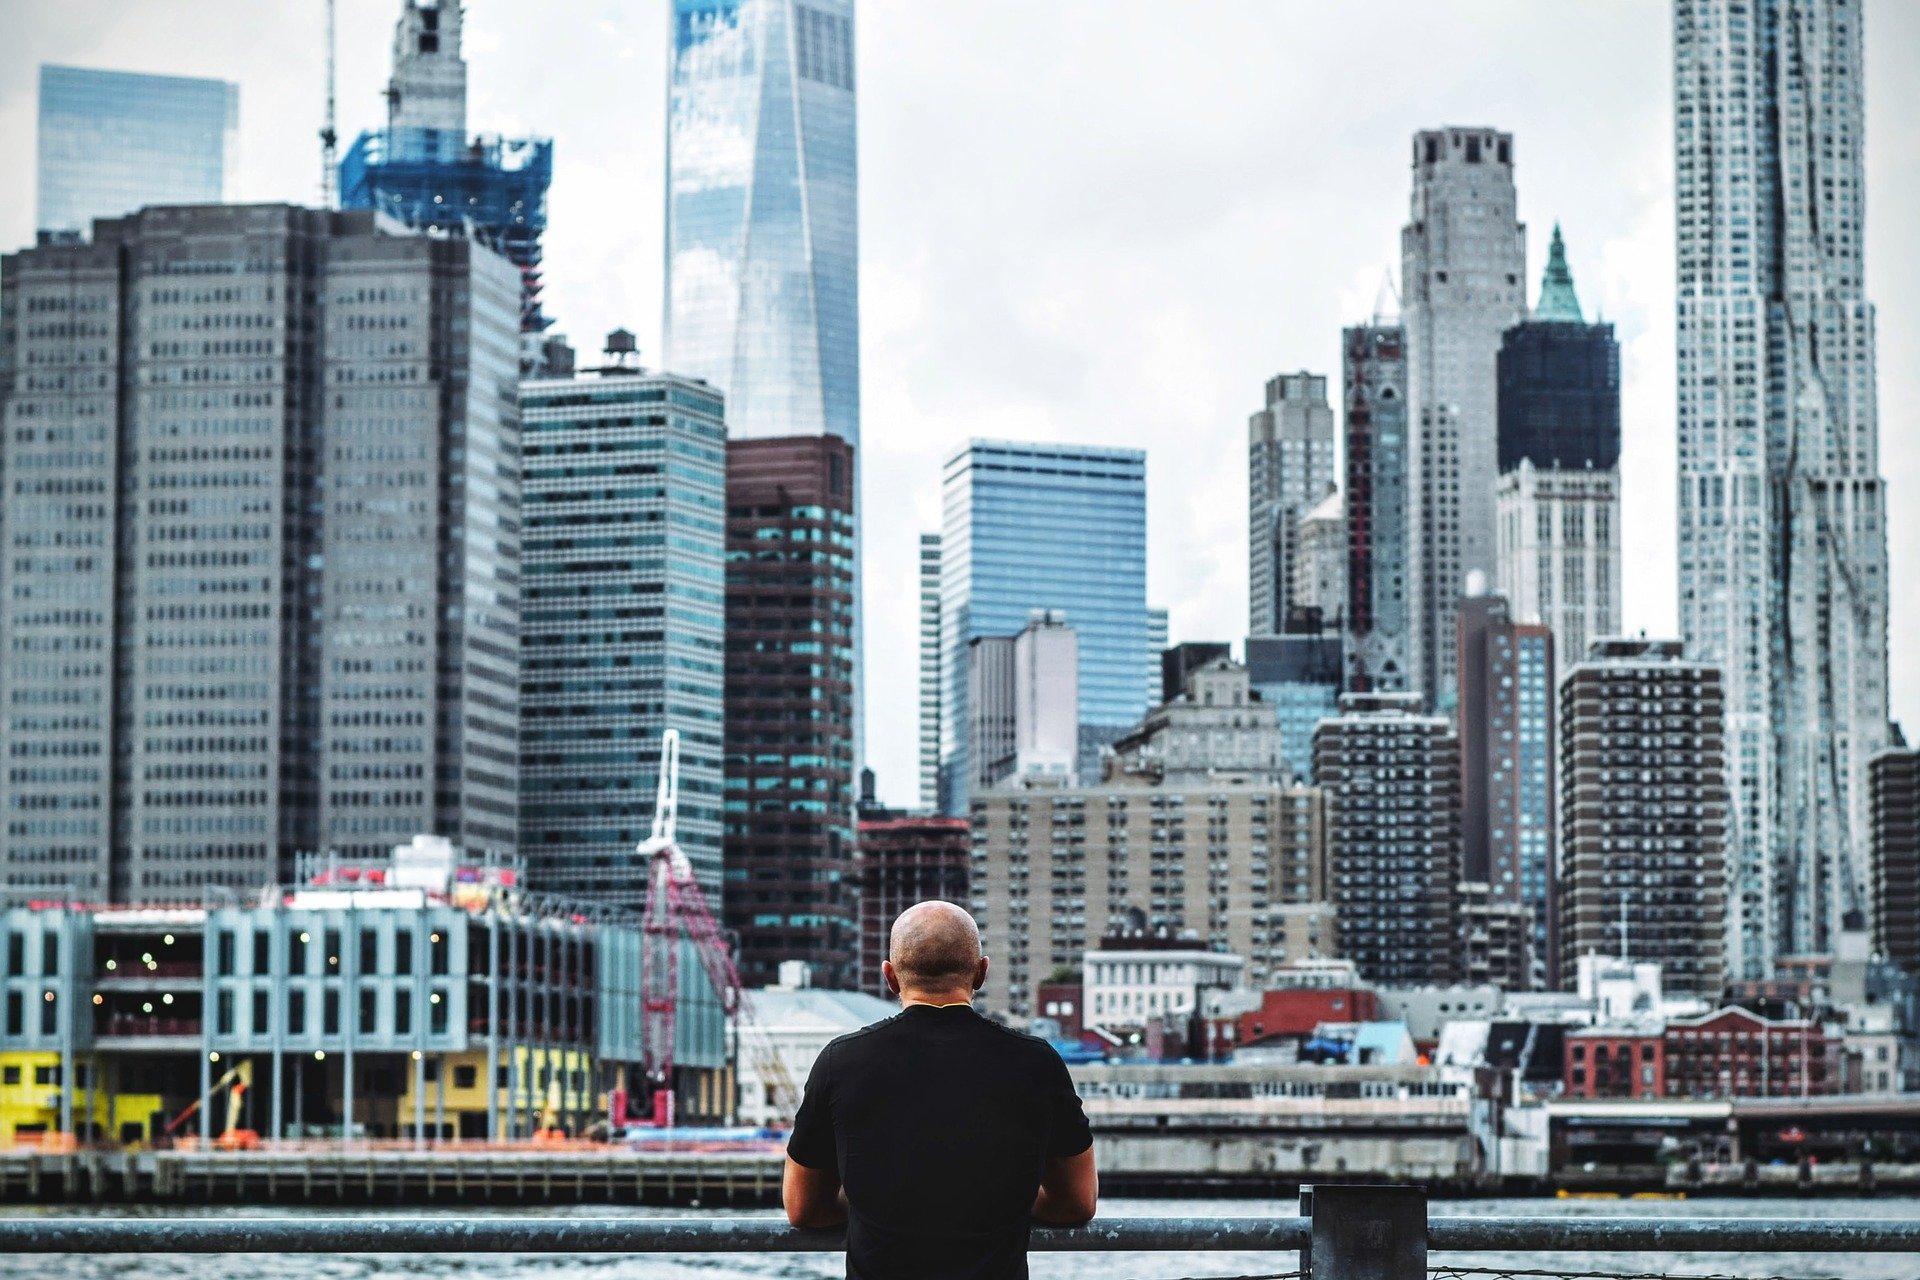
[(938, 1135)]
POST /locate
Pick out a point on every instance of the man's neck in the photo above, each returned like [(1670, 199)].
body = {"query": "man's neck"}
[(937, 999)]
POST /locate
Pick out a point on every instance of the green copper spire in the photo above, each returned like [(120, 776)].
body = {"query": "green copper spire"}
[(1557, 299)]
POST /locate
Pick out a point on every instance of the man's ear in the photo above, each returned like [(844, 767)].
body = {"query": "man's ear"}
[(890, 976), (980, 974)]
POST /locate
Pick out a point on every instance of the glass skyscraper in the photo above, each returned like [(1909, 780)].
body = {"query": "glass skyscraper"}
[(762, 270), (112, 142), (622, 624), (1042, 526)]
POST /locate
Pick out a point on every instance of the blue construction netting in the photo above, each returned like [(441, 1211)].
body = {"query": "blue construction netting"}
[(433, 179)]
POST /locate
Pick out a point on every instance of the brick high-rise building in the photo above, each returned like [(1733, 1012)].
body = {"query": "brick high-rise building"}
[(202, 408), (788, 844), (1643, 814), (1893, 785), (1506, 762), (904, 859), (1391, 777), (1192, 828)]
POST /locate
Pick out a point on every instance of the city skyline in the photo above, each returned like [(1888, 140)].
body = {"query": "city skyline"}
[(967, 323)]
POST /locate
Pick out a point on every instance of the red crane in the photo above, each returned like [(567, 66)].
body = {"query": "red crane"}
[(674, 904)]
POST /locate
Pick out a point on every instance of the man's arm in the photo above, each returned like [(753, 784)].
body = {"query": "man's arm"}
[(1069, 1190), (814, 1197)]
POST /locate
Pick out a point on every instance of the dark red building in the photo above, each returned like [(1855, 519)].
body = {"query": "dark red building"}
[(1616, 1062), (1729, 1053), (789, 838), (904, 860), (1733, 1053), (1293, 1014)]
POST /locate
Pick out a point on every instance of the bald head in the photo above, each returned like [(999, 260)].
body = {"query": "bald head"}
[(935, 947)]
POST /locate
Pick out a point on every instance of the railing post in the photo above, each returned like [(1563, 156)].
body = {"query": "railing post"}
[(1368, 1232)]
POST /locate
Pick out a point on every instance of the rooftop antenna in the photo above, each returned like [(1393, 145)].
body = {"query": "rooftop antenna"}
[(329, 137)]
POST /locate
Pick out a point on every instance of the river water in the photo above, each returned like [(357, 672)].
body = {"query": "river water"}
[(1085, 1266)]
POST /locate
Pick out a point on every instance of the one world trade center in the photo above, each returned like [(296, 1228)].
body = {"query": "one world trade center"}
[(762, 238)]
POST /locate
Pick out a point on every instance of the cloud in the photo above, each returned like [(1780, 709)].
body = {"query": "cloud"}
[(1094, 220)]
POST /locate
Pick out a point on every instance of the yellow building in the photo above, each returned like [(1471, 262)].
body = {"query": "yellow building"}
[(30, 1102)]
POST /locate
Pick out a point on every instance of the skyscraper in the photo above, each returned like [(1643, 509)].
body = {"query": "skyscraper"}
[(1289, 471), (1037, 526), (1893, 784), (762, 270), (1782, 522), (762, 279), (1506, 762), (929, 671), (1391, 777), (111, 143), (1643, 814), (1558, 501), (1379, 622), (424, 170), (622, 630), (789, 726), (192, 698), (1463, 258)]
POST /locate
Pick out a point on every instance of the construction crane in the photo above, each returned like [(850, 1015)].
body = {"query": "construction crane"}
[(676, 906)]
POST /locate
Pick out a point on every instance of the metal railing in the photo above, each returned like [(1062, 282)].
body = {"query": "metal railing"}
[(368, 1234), (1346, 1233)]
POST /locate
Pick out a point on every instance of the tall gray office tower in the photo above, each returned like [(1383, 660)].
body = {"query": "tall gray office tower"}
[(260, 585), (1378, 622), (1289, 470), (111, 143), (620, 642), (1783, 548), (1463, 267)]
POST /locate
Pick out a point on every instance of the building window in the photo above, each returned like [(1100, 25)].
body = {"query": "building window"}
[(403, 951), (369, 951), (465, 1077), (296, 1013), (369, 1011), (402, 1013), (223, 954), (223, 1015)]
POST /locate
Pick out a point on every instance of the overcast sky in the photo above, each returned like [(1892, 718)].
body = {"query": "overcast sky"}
[(1104, 221)]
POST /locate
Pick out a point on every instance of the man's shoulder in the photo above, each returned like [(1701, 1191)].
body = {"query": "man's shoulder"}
[(864, 1033)]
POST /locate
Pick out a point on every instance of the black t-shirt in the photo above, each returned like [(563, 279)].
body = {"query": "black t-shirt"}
[(937, 1122)]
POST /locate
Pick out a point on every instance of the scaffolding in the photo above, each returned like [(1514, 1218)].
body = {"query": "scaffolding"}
[(494, 188)]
